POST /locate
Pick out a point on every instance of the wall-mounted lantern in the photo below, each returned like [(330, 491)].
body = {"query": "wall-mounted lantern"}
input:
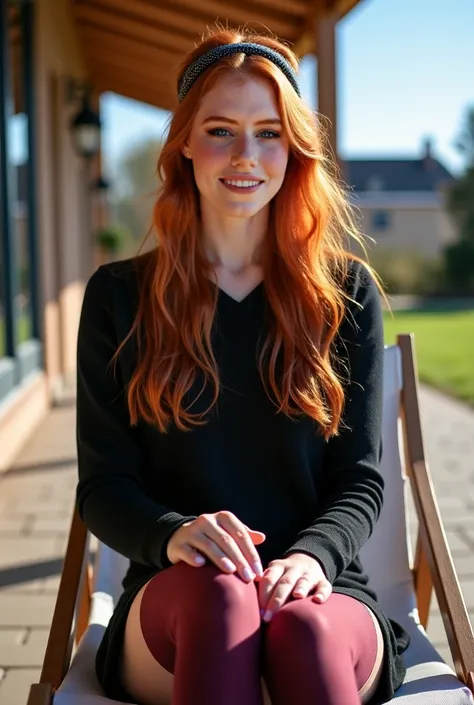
[(85, 125)]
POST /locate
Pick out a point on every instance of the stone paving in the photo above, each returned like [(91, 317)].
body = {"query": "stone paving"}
[(36, 499)]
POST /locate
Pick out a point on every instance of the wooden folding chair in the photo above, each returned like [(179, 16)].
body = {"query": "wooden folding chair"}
[(87, 595)]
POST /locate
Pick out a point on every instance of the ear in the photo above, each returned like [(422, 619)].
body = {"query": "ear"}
[(186, 151)]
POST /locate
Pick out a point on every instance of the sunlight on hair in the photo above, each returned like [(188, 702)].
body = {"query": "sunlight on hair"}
[(312, 229)]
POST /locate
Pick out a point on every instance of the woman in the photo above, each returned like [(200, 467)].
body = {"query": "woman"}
[(229, 404)]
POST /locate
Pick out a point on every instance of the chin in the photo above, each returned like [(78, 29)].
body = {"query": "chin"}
[(242, 210)]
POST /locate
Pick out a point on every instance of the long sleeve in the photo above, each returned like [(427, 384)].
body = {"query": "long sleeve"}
[(352, 486), (110, 494)]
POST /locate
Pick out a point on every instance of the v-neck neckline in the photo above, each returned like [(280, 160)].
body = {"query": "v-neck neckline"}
[(237, 302)]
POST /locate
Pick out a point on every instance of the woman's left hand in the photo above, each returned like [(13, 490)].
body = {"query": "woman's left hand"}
[(295, 576)]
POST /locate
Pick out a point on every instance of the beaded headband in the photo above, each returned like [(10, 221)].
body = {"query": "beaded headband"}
[(194, 70)]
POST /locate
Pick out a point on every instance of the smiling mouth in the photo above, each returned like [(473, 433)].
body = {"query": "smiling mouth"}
[(242, 185)]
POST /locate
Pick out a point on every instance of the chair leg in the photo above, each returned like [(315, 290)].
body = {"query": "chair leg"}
[(40, 694)]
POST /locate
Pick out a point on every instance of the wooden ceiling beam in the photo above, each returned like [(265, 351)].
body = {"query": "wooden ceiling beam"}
[(224, 10), (153, 12), (113, 44), (105, 68), (131, 28), (122, 85), (296, 8), (101, 61), (307, 42)]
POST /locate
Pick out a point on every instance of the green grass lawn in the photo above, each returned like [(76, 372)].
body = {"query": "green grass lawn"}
[(444, 343)]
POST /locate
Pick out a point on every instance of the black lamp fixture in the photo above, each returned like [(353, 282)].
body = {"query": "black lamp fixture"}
[(100, 185), (85, 125)]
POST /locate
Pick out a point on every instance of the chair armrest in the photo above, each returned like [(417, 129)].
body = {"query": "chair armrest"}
[(60, 641), (431, 532)]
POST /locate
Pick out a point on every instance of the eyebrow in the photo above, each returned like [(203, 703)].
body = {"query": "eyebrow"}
[(221, 118)]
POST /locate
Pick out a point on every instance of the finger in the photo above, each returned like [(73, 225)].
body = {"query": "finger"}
[(303, 587), (323, 591), (189, 555), (207, 547), (281, 592), (246, 548), (221, 548), (257, 537), (267, 584)]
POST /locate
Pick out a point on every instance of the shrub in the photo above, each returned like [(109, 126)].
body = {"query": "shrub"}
[(405, 272)]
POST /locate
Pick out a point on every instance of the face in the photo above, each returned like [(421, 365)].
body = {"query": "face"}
[(237, 146)]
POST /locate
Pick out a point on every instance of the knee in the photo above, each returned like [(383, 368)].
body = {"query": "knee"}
[(201, 592), (303, 624)]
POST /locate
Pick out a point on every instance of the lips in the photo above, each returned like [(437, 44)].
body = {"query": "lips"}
[(241, 185)]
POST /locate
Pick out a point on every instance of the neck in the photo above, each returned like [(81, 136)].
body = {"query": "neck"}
[(234, 244)]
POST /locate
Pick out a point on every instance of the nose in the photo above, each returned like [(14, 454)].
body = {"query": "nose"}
[(245, 152)]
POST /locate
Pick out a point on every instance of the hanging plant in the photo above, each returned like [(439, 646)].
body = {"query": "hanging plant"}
[(111, 239)]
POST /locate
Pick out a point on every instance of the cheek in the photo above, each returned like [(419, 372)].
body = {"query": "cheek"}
[(276, 161), (206, 155)]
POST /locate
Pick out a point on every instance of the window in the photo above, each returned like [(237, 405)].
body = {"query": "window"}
[(2, 299), (381, 221), (20, 351)]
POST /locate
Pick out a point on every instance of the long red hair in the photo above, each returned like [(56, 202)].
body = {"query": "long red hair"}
[(304, 262)]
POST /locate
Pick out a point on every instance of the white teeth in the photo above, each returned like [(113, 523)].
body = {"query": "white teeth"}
[(241, 184)]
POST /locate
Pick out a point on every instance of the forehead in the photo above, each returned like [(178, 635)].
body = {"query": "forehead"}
[(237, 95)]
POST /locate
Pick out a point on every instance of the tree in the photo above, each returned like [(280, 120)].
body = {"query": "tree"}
[(459, 256), (136, 184)]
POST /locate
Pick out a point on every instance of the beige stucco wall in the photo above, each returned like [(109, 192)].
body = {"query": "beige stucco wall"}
[(425, 230), (62, 187)]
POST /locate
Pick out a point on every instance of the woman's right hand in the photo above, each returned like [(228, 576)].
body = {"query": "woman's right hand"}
[(223, 539)]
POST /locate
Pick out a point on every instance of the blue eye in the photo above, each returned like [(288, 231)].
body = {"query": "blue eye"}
[(216, 130), (223, 132), (270, 133)]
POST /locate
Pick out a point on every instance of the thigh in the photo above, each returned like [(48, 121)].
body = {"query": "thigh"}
[(341, 620), (141, 674), (370, 686), (144, 678)]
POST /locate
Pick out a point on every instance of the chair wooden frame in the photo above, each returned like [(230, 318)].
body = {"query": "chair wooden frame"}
[(433, 565)]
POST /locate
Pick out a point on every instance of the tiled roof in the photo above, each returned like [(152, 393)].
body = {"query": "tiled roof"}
[(426, 174)]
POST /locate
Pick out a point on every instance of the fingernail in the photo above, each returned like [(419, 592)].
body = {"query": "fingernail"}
[(248, 574), (257, 566), (228, 565), (199, 560), (267, 616), (319, 596)]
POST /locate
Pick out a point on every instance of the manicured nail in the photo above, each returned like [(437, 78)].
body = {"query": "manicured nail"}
[(199, 560), (228, 565), (257, 566), (267, 616), (248, 574), (320, 596)]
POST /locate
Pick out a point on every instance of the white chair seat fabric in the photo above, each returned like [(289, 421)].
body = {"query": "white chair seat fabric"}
[(429, 680)]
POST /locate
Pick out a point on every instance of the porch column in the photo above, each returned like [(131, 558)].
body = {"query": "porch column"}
[(326, 24)]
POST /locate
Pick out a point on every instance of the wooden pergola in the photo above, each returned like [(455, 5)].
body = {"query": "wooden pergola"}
[(133, 47)]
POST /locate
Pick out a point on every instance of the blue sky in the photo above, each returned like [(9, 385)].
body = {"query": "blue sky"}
[(404, 73)]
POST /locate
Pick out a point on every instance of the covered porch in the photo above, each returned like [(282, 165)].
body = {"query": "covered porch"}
[(50, 205)]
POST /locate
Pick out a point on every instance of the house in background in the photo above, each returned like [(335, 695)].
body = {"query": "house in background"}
[(402, 202)]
